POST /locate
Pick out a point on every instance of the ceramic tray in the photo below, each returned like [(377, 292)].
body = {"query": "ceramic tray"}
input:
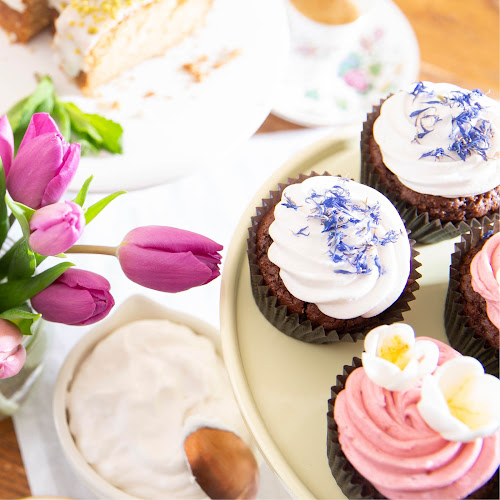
[(283, 385)]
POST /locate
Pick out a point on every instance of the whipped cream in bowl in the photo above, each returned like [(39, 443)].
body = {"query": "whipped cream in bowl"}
[(130, 393)]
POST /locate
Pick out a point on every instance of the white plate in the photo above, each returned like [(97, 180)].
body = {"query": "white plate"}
[(283, 385), (336, 74), (183, 125)]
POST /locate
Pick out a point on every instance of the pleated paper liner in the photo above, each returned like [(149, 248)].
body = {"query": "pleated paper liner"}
[(462, 337), (349, 480), (423, 228), (298, 326)]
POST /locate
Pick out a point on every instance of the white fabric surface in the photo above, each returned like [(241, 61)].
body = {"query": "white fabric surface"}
[(209, 203)]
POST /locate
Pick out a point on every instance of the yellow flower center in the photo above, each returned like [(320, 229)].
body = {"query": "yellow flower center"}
[(461, 406), (395, 350)]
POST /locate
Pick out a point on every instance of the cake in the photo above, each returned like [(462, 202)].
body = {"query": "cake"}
[(434, 151), (414, 420), (97, 40), (330, 259), (472, 308)]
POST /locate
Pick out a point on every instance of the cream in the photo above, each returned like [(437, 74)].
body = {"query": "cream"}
[(136, 397), (386, 440), (358, 270), (485, 272), (405, 136)]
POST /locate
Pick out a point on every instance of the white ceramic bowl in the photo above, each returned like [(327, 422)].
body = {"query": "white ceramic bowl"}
[(135, 308)]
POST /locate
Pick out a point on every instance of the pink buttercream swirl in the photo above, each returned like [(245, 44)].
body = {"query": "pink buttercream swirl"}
[(484, 269), (386, 440)]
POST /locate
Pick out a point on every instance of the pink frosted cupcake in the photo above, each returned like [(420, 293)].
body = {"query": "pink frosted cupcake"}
[(414, 420), (472, 309)]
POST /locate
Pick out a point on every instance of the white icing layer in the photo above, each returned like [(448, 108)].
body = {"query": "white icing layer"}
[(448, 176), (81, 23), (310, 273), (137, 396)]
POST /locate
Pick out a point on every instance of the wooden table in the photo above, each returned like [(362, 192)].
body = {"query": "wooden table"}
[(459, 43)]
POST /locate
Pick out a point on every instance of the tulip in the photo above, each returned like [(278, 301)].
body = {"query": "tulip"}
[(12, 353), (6, 143), (55, 228), (168, 259), (44, 165), (77, 297)]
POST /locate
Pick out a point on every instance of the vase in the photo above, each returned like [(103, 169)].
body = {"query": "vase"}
[(15, 390)]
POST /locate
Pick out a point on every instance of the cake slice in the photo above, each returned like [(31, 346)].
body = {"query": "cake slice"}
[(97, 40), (25, 18)]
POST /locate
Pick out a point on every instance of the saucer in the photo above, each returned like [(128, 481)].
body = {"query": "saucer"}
[(336, 83)]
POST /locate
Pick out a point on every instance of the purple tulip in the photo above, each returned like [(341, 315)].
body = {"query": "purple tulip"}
[(44, 165), (55, 228), (169, 259), (77, 297), (6, 143), (12, 353)]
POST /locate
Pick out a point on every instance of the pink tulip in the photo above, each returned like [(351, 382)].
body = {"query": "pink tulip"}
[(6, 143), (44, 165), (55, 228), (169, 259), (77, 297), (12, 353)]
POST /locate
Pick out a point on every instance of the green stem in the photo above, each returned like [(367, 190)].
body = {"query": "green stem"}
[(93, 249), (12, 219)]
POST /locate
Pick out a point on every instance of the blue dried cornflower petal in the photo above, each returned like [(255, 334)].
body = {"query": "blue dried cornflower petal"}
[(301, 232), (415, 113), (289, 203)]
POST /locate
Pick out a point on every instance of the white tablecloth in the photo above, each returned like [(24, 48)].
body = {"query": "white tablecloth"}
[(209, 203)]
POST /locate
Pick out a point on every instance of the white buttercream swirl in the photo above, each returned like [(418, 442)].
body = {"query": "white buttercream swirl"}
[(448, 176), (308, 270)]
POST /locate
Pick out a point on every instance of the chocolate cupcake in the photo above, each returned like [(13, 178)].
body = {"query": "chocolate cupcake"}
[(433, 151), (472, 308), (397, 427), (330, 259)]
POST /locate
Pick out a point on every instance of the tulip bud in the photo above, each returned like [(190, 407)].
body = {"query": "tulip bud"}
[(44, 165), (12, 353), (6, 143), (55, 228), (169, 259), (77, 297)]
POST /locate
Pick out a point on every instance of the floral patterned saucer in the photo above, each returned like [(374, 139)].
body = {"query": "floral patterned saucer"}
[(336, 73)]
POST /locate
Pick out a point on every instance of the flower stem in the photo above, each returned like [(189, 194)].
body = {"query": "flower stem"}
[(93, 249)]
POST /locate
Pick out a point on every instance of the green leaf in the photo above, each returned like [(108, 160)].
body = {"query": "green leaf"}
[(61, 116), (86, 147), (96, 208), (82, 195), (6, 259), (15, 293), (18, 313), (4, 217), (23, 263), (18, 209), (20, 114), (26, 325), (95, 129)]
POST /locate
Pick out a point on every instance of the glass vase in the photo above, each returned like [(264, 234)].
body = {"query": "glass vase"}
[(15, 390)]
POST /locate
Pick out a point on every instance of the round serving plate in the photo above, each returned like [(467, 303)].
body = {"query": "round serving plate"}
[(283, 385), (163, 109)]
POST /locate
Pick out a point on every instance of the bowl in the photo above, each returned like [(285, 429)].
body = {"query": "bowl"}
[(135, 308)]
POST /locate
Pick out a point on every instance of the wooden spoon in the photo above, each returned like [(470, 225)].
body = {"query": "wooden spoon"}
[(222, 464)]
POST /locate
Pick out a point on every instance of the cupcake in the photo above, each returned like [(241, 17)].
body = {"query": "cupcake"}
[(472, 308), (330, 259), (414, 420), (434, 151)]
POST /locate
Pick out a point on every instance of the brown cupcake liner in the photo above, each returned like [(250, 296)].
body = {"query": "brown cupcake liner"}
[(462, 337), (422, 228), (349, 480), (297, 326)]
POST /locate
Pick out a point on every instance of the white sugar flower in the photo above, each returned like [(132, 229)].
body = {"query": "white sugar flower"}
[(394, 360), (460, 402)]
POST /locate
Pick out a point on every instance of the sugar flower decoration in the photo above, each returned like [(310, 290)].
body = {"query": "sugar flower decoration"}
[(394, 360), (460, 402)]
